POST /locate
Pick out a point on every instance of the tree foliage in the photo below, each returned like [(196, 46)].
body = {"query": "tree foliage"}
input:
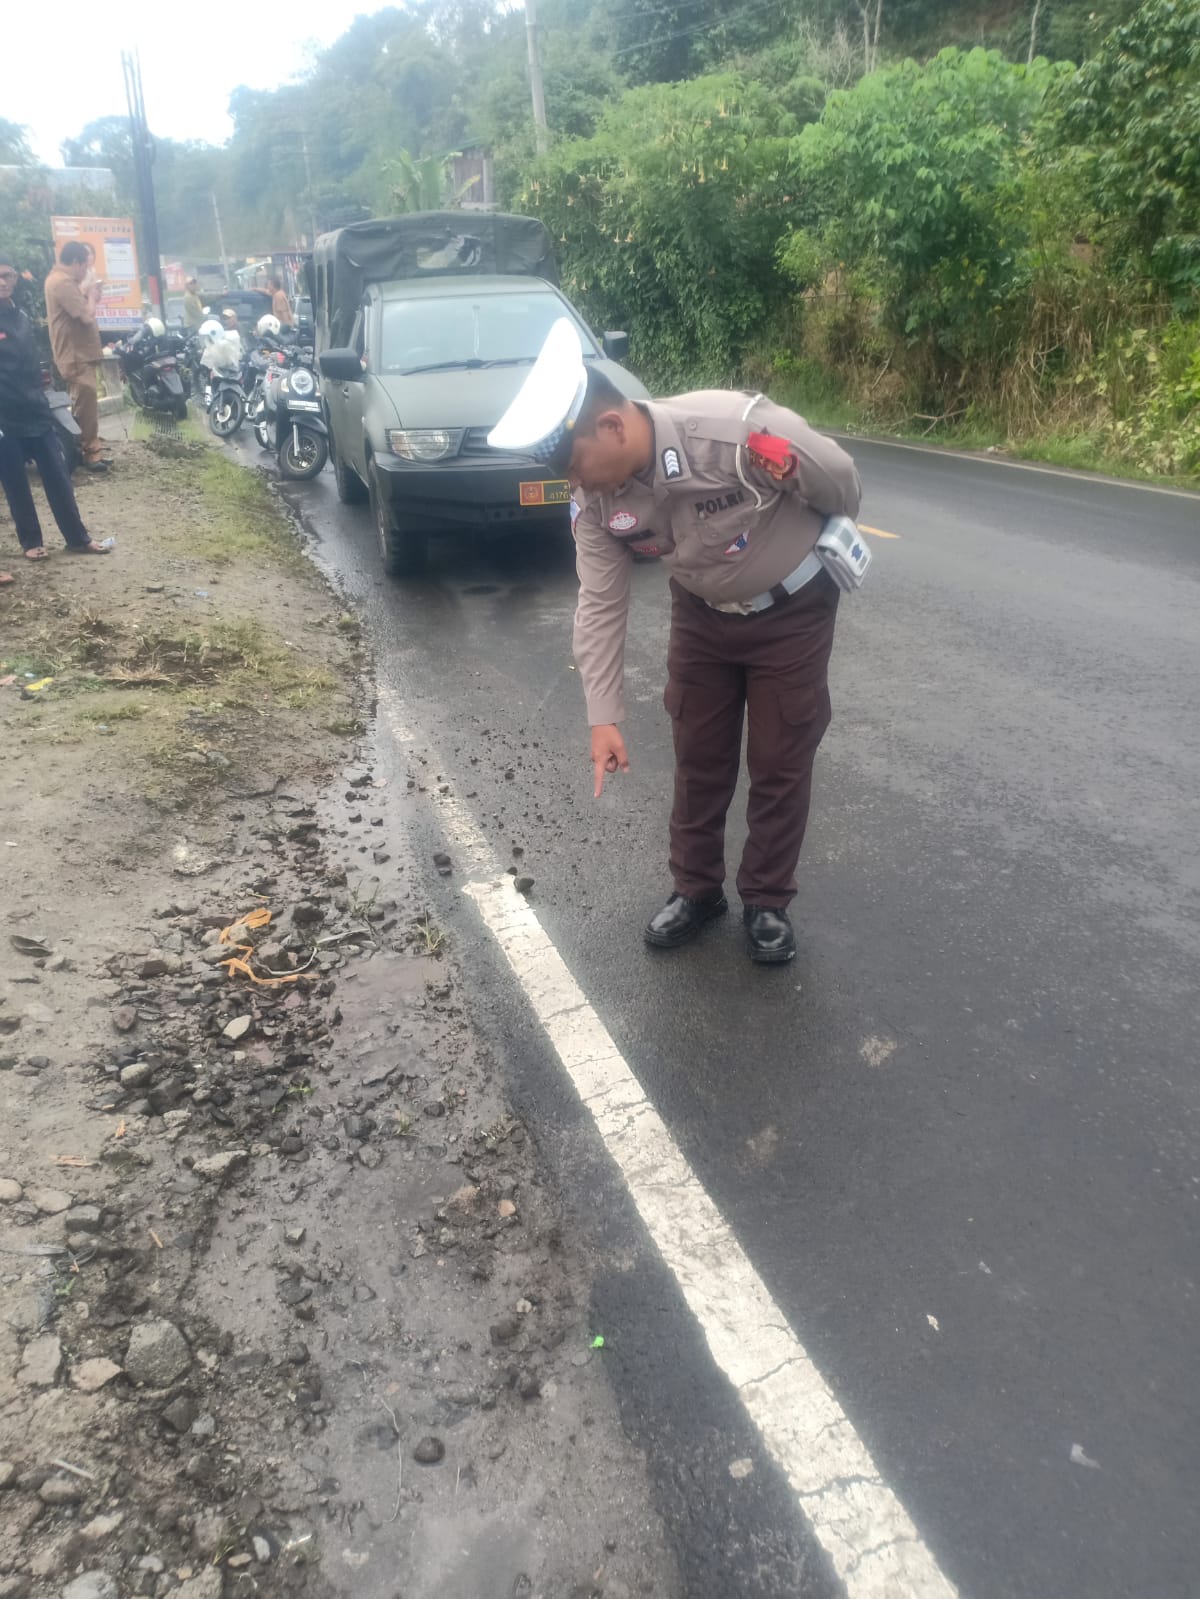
[(916, 171), (666, 220), (1128, 126)]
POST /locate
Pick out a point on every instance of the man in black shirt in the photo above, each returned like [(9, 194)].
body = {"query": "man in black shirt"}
[(27, 434)]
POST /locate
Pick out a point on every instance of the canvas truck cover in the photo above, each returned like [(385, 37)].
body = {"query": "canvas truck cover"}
[(422, 245)]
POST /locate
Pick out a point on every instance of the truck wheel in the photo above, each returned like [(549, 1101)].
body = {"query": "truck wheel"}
[(347, 482), (403, 547)]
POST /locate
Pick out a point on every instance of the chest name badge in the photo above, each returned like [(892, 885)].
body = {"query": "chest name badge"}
[(622, 522)]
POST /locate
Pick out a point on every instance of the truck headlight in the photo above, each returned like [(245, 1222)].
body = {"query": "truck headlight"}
[(425, 444)]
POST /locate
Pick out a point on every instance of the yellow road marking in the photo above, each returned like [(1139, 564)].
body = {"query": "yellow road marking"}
[(878, 532)]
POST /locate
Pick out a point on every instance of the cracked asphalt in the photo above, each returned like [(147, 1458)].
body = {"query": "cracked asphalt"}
[(957, 1138)]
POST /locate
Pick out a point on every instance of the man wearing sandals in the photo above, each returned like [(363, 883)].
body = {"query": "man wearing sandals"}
[(27, 434)]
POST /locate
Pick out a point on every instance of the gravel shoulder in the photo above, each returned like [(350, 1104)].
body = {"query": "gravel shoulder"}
[(287, 1304)]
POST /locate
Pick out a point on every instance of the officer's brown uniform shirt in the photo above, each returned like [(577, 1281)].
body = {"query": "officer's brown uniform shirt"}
[(725, 527)]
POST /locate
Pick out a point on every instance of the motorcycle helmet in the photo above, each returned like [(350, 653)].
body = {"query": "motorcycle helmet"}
[(155, 327), (210, 330), (269, 326)]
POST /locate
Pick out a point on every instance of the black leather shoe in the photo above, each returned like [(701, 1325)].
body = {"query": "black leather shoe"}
[(770, 933), (682, 918)]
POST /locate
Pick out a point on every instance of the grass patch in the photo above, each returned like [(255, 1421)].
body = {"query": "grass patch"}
[(244, 521), (1081, 451)]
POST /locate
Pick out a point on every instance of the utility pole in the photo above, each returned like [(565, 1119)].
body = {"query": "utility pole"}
[(220, 239), (312, 210), (143, 156), (535, 78)]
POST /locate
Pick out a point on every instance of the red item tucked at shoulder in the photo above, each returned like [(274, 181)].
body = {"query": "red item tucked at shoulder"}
[(769, 451)]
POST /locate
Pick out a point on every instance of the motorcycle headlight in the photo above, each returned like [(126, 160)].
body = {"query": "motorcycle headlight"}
[(301, 381), (425, 444)]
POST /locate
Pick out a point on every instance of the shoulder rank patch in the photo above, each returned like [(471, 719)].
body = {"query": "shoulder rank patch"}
[(772, 455), (671, 464)]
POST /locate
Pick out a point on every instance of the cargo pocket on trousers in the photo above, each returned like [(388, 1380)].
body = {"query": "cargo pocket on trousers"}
[(807, 708), (673, 699)]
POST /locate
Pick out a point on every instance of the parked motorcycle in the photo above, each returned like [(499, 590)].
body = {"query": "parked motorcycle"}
[(150, 366), (63, 419)]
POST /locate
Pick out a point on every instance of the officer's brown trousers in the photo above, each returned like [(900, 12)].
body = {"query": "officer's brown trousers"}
[(774, 667)]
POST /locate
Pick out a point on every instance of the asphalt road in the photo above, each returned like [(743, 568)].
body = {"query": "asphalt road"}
[(958, 1137)]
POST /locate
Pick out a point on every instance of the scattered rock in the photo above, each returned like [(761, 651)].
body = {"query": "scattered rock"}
[(124, 1018), (41, 1362), (102, 1526), (10, 1190), (136, 1075), (295, 1236), (218, 1166), (62, 1490), (181, 1413), (237, 1029), (506, 1208), (50, 1201), (85, 1219), (505, 1330), (91, 1585), (306, 914), (523, 885), (359, 1127), (158, 1353), (208, 1585), (90, 1375), (8, 1474), (429, 1451), (529, 1385), (153, 966)]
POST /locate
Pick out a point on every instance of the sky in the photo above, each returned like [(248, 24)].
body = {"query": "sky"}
[(192, 59)]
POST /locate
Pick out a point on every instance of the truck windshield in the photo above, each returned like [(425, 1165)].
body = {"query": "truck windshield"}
[(456, 330)]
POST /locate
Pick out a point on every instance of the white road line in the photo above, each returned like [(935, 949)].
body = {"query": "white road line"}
[(873, 1545), (1097, 480), (871, 1542)]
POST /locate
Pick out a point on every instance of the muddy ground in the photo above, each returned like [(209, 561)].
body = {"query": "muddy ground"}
[(286, 1304)]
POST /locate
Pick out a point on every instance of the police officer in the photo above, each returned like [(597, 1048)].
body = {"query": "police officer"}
[(732, 492)]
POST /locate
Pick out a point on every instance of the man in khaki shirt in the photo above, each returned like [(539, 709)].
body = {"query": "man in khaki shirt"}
[(281, 306), (732, 492), (75, 343)]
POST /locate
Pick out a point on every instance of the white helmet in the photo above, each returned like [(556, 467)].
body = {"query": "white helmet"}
[(268, 325), (155, 326), (211, 329)]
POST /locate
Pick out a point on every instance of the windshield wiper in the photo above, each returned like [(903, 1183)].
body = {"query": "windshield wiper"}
[(472, 363), (444, 366)]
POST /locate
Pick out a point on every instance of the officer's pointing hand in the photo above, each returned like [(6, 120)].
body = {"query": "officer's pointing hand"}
[(608, 754)]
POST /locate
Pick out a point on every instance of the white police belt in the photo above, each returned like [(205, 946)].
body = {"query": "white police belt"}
[(840, 550), (811, 566)]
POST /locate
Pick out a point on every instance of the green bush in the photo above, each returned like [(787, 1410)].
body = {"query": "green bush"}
[(667, 221), (917, 169), (1127, 128)]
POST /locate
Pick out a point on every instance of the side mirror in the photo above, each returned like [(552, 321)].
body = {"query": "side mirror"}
[(616, 346), (343, 366)]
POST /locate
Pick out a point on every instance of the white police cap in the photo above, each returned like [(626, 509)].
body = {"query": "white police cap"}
[(547, 407)]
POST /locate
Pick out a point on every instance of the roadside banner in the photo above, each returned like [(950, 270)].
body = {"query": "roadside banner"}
[(116, 264), (174, 277)]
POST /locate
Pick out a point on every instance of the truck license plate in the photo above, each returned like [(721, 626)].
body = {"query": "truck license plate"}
[(553, 492)]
